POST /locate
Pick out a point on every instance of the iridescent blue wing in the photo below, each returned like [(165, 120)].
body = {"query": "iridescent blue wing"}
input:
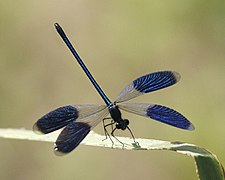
[(72, 135), (160, 113), (148, 83), (62, 116)]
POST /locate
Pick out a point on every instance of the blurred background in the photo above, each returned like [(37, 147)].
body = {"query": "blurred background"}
[(119, 41)]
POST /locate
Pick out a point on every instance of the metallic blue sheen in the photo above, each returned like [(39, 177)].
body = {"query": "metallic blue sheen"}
[(79, 60), (71, 136), (154, 81), (56, 119), (75, 130), (168, 116)]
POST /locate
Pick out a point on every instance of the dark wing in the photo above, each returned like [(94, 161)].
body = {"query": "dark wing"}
[(148, 83), (62, 116), (72, 135), (159, 113)]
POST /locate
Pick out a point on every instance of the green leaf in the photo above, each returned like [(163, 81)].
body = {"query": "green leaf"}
[(207, 165)]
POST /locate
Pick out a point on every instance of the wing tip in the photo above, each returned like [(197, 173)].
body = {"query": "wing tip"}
[(191, 127), (58, 152), (37, 129), (176, 75)]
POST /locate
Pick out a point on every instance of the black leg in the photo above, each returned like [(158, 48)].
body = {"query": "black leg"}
[(135, 142), (112, 122), (106, 132), (112, 133)]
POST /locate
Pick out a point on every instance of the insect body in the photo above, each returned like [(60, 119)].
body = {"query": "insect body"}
[(78, 120)]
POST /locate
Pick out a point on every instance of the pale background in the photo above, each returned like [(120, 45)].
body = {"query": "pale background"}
[(119, 41)]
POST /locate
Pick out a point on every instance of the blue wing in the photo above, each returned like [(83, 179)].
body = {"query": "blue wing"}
[(159, 113), (72, 135), (148, 83), (62, 116)]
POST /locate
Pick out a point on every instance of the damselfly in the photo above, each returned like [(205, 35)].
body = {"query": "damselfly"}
[(79, 120)]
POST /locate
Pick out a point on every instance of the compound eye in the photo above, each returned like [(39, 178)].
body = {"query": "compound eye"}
[(126, 121)]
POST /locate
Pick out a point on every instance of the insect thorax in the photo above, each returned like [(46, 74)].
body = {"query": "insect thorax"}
[(117, 117), (115, 112)]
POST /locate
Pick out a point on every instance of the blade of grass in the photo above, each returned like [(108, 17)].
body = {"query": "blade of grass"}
[(207, 165)]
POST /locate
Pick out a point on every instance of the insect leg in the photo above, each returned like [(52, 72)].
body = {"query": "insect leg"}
[(106, 132), (135, 142), (112, 133), (103, 122)]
